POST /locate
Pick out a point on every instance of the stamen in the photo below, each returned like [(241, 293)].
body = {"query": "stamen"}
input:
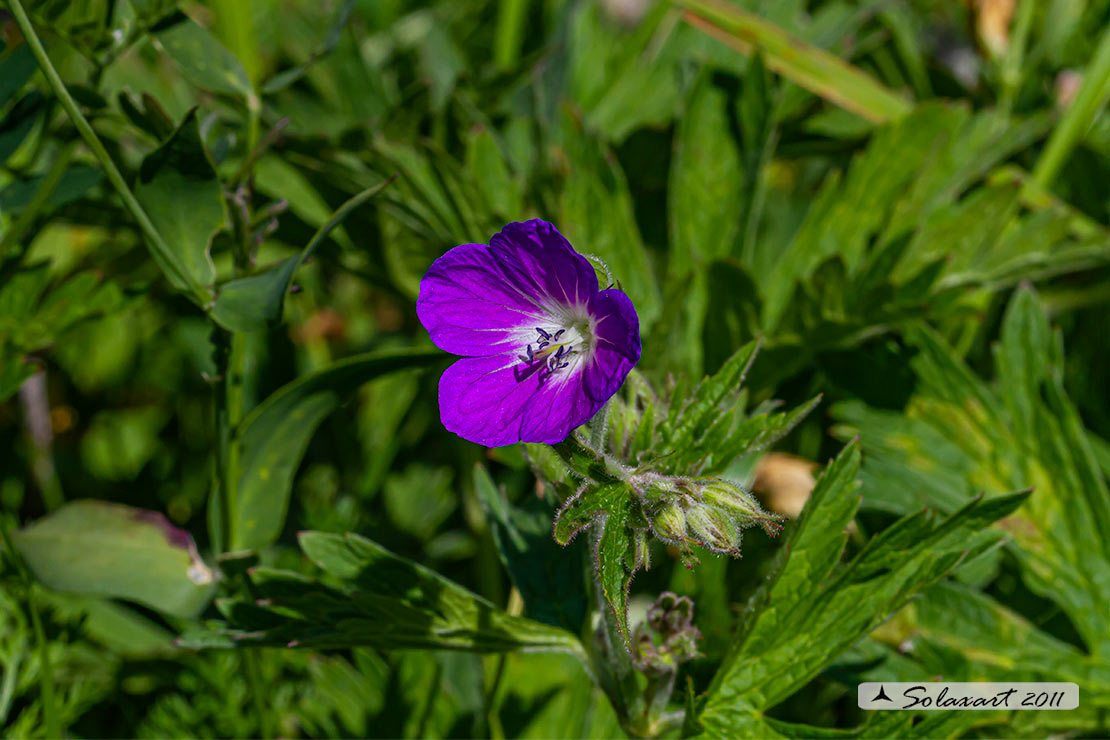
[(550, 354)]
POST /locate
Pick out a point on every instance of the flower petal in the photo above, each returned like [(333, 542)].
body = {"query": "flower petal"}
[(617, 329), (488, 400), (470, 308), (536, 257)]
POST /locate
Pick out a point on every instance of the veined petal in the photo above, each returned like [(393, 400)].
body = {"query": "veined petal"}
[(536, 257), (470, 308), (498, 400), (543, 348), (616, 331)]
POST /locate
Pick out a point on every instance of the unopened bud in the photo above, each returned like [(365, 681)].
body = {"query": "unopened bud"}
[(670, 523), (668, 637), (733, 498), (714, 528)]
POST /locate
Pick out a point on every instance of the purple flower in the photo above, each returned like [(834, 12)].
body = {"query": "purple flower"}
[(543, 348)]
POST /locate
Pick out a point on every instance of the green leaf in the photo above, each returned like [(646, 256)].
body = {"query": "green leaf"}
[(257, 301), (814, 69), (616, 563), (586, 507), (690, 419), (1023, 356), (379, 600), (75, 183), (596, 214), (13, 371), (203, 60), (146, 114), (102, 549), (960, 436), (706, 181), (546, 575), (273, 438), (974, 624), (486, 162), (284, 79), (809, 613), (18, 122), (583, 461), (15, 71), (180, 191)]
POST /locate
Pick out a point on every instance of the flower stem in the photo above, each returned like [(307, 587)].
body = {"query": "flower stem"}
[(46, 673), (612, 664), (230, 417), (1080, 115), (130, 202)]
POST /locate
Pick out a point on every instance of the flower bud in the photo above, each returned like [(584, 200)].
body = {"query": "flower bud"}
[(670, 523), (729, 496), (714, 528), (668, 637)]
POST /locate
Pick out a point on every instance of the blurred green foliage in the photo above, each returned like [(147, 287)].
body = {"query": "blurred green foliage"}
[(229, 508)]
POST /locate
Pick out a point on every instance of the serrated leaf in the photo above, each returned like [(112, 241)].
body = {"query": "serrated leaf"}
[(615, 550), (587, 507), (273, 438), (807, 614), (699, 412), (379, 600), (584, 462)]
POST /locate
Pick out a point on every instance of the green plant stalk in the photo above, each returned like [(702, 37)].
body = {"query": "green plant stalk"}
[(1015, 53), (7, 686), (254, 679), (130, 202), (612, 664), (39, 200), (511, 17), (230, 420), (1090, 100), (815, 69), (46, 673)]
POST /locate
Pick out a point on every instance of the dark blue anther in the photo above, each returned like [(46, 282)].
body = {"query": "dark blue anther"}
[(543, 334), (558, 334)]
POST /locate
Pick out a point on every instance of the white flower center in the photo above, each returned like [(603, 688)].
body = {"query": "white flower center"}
[(558, 348)]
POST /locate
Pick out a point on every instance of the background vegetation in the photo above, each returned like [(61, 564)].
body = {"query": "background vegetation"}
[(904, 200)]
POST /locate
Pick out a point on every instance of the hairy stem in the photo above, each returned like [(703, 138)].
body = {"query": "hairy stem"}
[(612, 664)]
